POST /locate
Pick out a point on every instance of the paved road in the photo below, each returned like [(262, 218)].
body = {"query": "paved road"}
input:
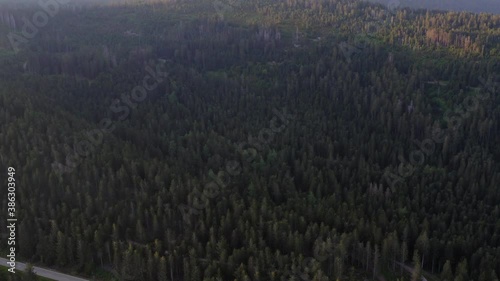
[(44, 272)]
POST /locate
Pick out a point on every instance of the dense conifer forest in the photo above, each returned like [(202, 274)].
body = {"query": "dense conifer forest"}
[(252, 140)]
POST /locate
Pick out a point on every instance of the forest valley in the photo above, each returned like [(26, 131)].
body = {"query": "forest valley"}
[(387, 168)]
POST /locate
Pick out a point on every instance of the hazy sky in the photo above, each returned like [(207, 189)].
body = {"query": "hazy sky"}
[(489, 6)]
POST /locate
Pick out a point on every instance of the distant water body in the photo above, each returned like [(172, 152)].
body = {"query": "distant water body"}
[(475, 6)]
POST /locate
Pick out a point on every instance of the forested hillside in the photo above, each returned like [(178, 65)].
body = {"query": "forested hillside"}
[(478, 6), (263, 140)]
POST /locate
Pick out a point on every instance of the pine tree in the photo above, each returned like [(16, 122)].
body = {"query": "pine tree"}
[(461, 272), (404, 256), (447, 273), (416, 274), (423, 245), (162, 270), (61, 249), (376, 256)]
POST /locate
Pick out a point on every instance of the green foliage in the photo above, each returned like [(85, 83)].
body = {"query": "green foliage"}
[(317, 184)]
